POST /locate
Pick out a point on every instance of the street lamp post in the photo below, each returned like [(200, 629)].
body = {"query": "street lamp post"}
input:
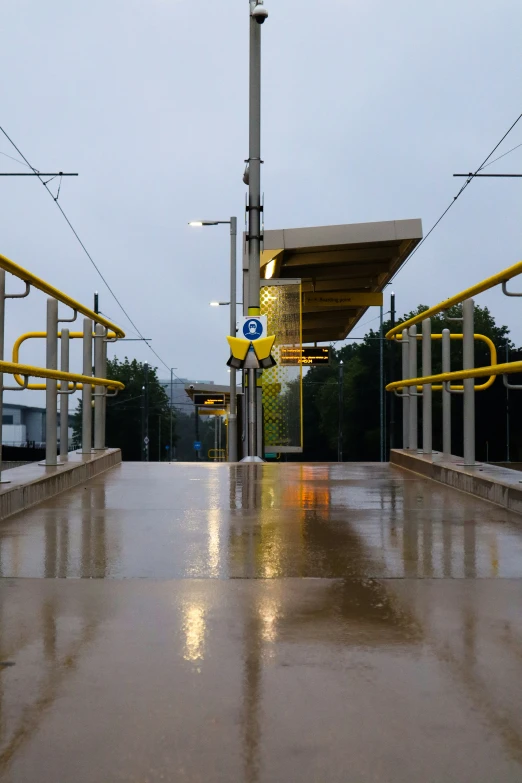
[(257, 16), (232, 419)]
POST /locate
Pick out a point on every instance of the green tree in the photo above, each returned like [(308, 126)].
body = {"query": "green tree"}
[(360, 405), (125, 412)]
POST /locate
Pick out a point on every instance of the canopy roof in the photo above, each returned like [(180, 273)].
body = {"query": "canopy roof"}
[(354, 258)]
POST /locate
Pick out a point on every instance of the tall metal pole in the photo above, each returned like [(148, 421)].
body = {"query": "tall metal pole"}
[(254, 211), (508, 444), (381, 383), (446, 394), (405, 347), (87, 388), (145, 415), (171, 397), (413, 389), (99, 391), (51, 387), (340, 433), (391, 350), (232, 416), (468, 329), (427, 391), (2, 328), (64, 396)]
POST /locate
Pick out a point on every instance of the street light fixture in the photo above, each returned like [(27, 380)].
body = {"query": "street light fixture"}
[(232, 419)]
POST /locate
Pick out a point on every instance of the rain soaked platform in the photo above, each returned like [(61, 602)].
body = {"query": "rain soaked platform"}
[(261, 623)]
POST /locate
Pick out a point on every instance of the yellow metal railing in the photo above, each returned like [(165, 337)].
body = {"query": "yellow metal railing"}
[(457, 375), (47, 288), (484, 339), (468, 293), (42, 335), (27, 370)]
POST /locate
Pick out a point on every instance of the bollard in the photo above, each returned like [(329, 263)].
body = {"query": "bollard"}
[(87, 389), (468, 330), (446, 394), (427, 392), (51, 386), (64, 395), (99, 391), (405, 392), (413, 389)]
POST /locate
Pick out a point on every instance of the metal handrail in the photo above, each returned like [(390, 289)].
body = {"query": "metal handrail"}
[(12, 368), (457, 375), (47, 288), (468, 293), (493, 358), (33, 335)]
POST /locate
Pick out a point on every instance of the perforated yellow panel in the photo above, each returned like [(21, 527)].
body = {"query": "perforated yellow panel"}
[(282, 386)]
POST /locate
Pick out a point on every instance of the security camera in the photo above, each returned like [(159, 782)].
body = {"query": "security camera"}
[(191, 386), (260, 14)]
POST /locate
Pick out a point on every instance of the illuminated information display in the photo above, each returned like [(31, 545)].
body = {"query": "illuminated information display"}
[(209, 400), (308, 357)]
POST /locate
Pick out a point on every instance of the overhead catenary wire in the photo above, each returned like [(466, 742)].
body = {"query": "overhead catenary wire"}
[(462, 189), (91, 259)]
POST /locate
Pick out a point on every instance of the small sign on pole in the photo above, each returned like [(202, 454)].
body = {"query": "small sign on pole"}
[(197, 445)]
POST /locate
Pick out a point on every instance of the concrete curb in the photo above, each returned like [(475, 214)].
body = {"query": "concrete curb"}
[(34, 483), (501, 486)]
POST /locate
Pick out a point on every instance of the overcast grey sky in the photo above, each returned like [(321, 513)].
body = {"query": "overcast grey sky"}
[(368, 109)]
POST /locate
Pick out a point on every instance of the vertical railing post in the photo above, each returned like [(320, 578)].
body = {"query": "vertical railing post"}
[(413, 436), (104, 398), (99, 391), (87, 388), (51, 386), (2, 328), (64, 396), (405, 345), (446, 394), (427, 392), (468, 330)]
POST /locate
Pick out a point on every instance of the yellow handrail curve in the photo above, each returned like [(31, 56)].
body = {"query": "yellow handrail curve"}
[(458, 375), (30, 335), (11, 368), (47, 288), (493, 359), (468, 293)]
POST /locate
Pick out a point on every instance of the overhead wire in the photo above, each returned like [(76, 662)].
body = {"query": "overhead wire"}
[(462, 189), (91, 259)]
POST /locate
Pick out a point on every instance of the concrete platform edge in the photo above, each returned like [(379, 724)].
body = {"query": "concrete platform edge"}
[(32, 484), (498, 486)]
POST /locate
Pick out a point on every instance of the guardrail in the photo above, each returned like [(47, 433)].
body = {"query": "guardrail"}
[(427, 383), (105, 331)]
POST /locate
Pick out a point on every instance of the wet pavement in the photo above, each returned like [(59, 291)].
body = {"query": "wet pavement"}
[(348, 623)]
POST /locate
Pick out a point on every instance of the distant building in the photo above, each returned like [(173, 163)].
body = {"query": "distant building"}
[(24, 425), (179, 399)]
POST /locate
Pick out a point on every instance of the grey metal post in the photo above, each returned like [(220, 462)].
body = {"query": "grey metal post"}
[(232, 416), (508, 458), (64, 398), (87, 388), (468, 330), (446, 394), (254, 209), (405, 347), (341, 396), (427, 392), (252, 410), (104, 398), (99, 391), (381, 383), (412, 429), (2, 328), (51, 386), (171, 397)]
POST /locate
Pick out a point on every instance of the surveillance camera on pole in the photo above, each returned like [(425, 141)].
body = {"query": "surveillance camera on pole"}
[(259, 13)]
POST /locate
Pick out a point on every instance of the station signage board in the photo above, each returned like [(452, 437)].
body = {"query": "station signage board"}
[(305, 356), (209, 400)]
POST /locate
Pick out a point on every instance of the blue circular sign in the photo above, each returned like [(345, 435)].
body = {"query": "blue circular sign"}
[(252, 329)]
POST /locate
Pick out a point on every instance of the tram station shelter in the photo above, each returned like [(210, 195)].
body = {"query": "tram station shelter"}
[(343, 269)]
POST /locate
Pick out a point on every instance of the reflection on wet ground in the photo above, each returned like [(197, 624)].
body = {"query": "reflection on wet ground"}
[(261, 623)]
